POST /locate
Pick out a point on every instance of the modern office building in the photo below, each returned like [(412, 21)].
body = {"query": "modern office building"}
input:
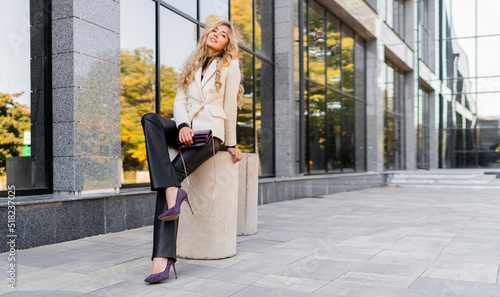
[(337, 92)]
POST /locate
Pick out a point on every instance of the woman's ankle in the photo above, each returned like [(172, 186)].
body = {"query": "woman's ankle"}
[(171, 195)]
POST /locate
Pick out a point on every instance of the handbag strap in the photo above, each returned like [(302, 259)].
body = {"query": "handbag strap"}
[(189, 184)]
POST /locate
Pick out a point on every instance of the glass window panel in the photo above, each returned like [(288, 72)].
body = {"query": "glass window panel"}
[(316, 129), (333, 52), (348, 148), (463, 17), (264, 27), (394, 102), (347, 61), (186, 6), (241, 15), (488, 85), (489, 143), (264, 116), (176, 46), (138, 85), (463, 59), (488, 62), (389, 143), (389, 12), (389, 88), (399, 94), (306, 40), (462, 88), (245, 124), (306, 136), (334, 132), (489, 96), (359, 68), (212, 11), (487, 11), (17, 157), (359, 136), (399, 17), (316, 43)]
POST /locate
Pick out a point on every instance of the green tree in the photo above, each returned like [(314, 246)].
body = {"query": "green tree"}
[(14, 120), (138, 91), (137, 99)]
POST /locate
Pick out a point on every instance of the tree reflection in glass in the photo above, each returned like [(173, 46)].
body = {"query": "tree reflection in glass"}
[(347, 61), (333, 129), (241, 15), (316, 131), (245, 124), (316, 43), (333, 53)]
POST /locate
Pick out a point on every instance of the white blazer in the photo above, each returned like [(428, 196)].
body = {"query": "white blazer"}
[(202, 107)]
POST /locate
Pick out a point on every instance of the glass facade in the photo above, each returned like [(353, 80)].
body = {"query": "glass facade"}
[(426, 44), (469, 106), (157, 37), (395, 16), (394, 119), (329, 73), (334, 95), (25, 97), (422, 128)]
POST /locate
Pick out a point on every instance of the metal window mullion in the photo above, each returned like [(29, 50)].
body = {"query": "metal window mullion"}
[(301, 156), (476, 154), (254, 79), (403, 141), (254, 99), (365, 108), (180, 13), (273, 94), (48, 126), (306, 103), (335, 90), (157, 62), (325, 90), (198, 29), (354, 102), (342, 145)]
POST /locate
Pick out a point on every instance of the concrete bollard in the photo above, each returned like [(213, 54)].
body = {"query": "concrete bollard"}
[(248, 194), (214, 237)]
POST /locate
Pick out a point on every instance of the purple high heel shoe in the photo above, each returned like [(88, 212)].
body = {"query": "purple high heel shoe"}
[(173, 213), (161, 276)]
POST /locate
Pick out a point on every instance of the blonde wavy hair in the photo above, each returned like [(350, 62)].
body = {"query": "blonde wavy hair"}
[(200, 55)]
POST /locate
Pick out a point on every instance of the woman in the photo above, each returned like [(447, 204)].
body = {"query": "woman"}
[(208, 95)]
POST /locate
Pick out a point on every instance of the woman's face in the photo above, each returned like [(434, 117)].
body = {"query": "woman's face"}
[(218, 38)]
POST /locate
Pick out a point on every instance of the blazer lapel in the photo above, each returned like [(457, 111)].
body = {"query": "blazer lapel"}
[(209, 73), (197, 78)]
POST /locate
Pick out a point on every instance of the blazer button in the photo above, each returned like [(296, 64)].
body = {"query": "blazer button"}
[(187, 91), (190, 104), (210, 91)]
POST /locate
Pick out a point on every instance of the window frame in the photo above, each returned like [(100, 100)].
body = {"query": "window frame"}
[(47, 104)]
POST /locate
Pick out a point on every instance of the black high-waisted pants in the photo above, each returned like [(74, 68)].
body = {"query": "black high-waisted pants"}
[(159, 133)]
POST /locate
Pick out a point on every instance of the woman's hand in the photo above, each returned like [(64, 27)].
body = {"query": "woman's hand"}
[(236, 154), (186, 135)]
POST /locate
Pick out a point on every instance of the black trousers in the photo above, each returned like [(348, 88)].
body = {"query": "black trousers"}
[(160, 133)]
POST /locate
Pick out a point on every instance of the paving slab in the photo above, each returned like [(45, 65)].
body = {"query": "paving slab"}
[(388, 241)]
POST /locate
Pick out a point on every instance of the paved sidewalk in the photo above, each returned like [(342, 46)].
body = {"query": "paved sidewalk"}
[(379, 242)]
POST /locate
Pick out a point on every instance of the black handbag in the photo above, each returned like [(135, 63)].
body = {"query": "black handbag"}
[(200, 138)]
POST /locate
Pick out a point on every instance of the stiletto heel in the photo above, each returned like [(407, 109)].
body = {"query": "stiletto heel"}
[(189, 204), (161, 276), (173, 213), (175, 272)]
